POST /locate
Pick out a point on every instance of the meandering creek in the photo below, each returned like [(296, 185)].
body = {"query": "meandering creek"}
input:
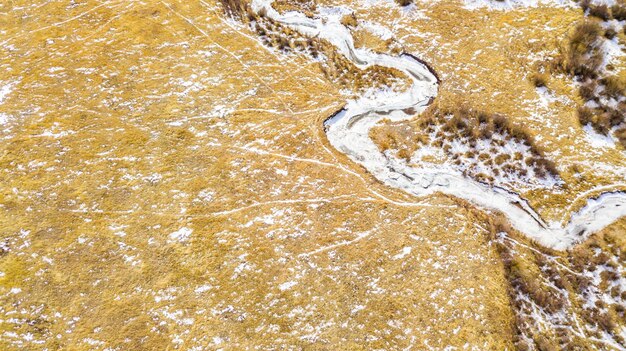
[(348, 131)]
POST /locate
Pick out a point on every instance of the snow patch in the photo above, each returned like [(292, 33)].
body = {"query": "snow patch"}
[(182, 235), (287, 285), (405, 251), (596, 139)]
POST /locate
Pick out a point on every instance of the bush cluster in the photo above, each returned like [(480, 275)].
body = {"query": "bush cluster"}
[(603, 11), (476, 125), (583, 56), (583, 59)]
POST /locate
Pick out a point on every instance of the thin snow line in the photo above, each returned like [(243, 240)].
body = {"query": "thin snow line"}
[(359, 237), (294, 201), (57, 23), (351, 198)]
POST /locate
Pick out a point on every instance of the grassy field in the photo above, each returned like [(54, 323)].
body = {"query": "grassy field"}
[(166, 184)]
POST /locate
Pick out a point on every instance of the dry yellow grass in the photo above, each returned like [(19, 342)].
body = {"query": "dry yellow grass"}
[(165, 183), (129, 121)]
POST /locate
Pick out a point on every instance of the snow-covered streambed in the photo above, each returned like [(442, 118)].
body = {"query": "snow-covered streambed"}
[(348, 131)]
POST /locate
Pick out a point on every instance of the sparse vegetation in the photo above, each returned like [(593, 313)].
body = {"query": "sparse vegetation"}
[(603, 118), (474, 125), (556, 285), (475, 130), (582, 58), (335, 66)]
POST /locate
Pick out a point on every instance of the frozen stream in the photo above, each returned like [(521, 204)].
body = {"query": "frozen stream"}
[(348, 131)]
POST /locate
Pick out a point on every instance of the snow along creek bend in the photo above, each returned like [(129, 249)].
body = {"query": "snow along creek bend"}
[(348, 131)]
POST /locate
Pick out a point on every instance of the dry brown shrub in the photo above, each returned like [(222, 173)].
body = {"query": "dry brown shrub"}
[(539, 79), (588, 90), (613, 86), (404, 2), (235, 8), (349, 20), (582, 56), (585, 115), (619, 11), (546, 344), (601, 11), (620, 134)]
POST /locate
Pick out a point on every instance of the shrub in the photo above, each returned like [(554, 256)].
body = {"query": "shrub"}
[(539, 79), (584, 35), (602, 319), (404, 2), (619, 11), (501, 158), (349, 20), (234, 8), (614, 117), (587, 91), (545, 344), (404, 154), (500, 123), (585, 4), (620, 134), (600, 11), (585, 116), (610, 33), (613, 87), (548, 165), (601, 123), (583, 57)]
